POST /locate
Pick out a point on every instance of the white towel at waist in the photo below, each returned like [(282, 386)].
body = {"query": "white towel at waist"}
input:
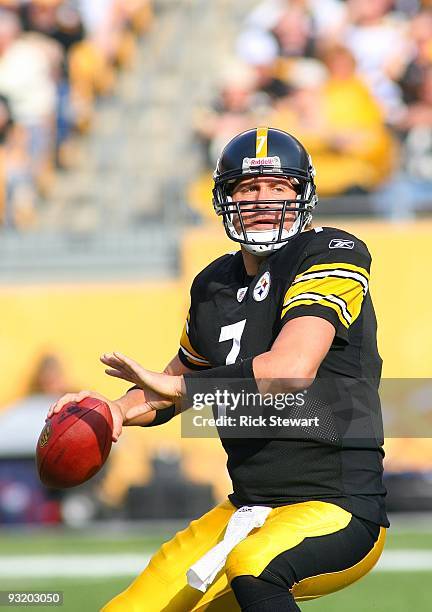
[(202, 573)]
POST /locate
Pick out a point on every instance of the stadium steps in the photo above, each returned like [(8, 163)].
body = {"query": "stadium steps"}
[(136, 162), (117, 213), (46, 256)]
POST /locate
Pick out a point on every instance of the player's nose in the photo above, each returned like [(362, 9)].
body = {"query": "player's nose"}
[(263, 193)]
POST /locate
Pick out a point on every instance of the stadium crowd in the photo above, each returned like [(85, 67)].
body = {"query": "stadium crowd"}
[(351, 79), (57, 57)]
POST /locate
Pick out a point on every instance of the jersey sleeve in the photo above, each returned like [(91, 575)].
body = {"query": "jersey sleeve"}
[(189, 353), (331, 283)]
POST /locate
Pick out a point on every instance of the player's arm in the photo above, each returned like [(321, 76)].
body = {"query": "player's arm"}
[(134, 400), (293, 361), (136, 407), (319, 307), (137, 401), (289, 366)]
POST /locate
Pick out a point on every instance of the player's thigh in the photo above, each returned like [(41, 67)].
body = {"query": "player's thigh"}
[(312, 548), (349, 555), (163, 584)]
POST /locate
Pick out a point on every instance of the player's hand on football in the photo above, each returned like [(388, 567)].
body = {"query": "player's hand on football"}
[(120, 366), (116, 412)]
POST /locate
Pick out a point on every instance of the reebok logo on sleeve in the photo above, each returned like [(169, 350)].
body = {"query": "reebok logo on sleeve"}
[(338, 243)]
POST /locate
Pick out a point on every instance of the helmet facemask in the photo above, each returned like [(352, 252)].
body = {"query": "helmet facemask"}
[(263, 242)]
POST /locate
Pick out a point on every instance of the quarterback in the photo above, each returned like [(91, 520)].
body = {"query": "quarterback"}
[(290, 312)]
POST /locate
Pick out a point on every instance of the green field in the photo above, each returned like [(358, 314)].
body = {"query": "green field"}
[(380, 591)]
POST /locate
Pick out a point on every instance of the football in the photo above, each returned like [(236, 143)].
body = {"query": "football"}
[(74, 444)]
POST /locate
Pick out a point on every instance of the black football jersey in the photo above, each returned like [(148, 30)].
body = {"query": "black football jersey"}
[(323, 272)]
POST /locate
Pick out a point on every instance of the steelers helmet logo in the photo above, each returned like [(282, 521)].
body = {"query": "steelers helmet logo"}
[(262, 287), (45, 435)]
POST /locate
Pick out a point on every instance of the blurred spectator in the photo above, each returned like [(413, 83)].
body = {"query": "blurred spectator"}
[(351, 79), (49, 377), (266, 14), (230, 113), (259, 50), (22, 422), (378, 38), (5, 127), (26, 78), (329, 18), (110, 25), (56, 58), (341, 124), (294, 32), (62, 23), (27, 64), (421, 37), (411, 188)]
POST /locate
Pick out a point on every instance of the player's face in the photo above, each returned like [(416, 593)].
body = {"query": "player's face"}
[(259, 190)]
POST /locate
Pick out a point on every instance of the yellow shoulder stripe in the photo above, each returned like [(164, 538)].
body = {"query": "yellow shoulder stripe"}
[(341, 292), (323, 301), (186, 347), (337, 270)]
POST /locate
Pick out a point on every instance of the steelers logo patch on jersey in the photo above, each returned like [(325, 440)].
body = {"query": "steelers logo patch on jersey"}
[(262, 287)]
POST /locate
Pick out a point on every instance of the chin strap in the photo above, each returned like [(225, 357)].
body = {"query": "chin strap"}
[(269, 235)]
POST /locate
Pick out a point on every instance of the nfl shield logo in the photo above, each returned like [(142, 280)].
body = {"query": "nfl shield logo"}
[(45, 435), (262, 287), (241, 293)]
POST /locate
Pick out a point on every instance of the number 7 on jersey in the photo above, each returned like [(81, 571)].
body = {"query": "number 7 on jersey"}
[(232, 332)]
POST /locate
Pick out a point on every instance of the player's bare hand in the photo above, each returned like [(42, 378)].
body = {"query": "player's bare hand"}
[(126, 368), (116, 412)]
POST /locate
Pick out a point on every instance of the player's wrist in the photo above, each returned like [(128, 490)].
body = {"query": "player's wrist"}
[(182, 388), (118, 406), (179, 393), (244, 369), (235, 378), (123, 404)]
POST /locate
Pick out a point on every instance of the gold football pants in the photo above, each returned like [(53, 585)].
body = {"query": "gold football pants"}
[(162, 586)]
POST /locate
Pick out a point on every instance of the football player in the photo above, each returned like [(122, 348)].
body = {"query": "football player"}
[(290, 312)]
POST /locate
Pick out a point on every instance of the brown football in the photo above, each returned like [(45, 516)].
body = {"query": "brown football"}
[(74, 444)]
